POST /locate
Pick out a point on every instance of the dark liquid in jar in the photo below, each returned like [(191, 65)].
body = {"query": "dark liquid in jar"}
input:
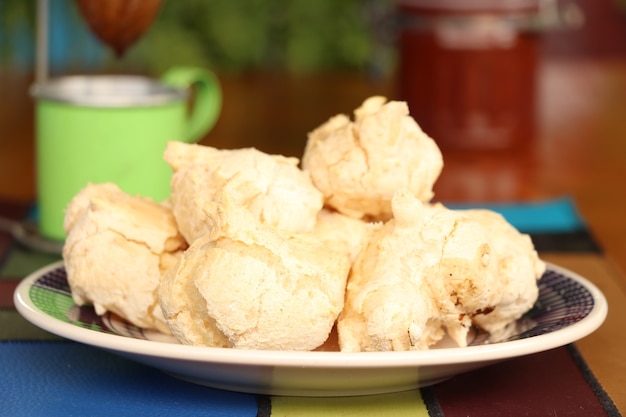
[(470, 90)]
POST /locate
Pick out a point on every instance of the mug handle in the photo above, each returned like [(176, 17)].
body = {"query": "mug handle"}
[(208, 98)]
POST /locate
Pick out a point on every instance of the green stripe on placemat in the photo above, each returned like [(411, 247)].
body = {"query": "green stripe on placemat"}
[(17, 263), (20, 262), (15, 327), (400, 404)]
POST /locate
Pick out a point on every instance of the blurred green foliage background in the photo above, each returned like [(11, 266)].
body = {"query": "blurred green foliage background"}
[(298, 35), (226, 35)]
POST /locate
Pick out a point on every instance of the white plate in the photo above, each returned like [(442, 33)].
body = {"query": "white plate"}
[(569, 307)]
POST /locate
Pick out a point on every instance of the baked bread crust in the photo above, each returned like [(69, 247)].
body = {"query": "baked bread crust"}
[(271, 187), (263, 288), (358, 165), (118, 246)]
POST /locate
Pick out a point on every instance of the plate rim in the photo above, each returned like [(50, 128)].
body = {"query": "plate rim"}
[(301, 359)]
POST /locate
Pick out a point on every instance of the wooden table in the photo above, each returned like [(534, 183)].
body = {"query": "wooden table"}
[(579, 151)]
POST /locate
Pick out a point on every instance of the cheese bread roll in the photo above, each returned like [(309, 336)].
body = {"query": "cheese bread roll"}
[(358, 165), (343, 233), (518, 266), (261, 287), (431, 270), (117, 249), (271, 187)]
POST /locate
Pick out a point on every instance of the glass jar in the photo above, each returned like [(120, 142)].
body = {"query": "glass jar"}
[(468, 70)]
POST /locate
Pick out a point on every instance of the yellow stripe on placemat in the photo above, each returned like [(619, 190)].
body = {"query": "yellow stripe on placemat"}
[(401, 404)]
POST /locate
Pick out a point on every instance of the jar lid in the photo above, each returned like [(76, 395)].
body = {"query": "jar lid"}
[(474, 6)]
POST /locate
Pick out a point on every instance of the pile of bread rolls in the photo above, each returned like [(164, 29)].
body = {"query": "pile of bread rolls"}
[(259, 251)]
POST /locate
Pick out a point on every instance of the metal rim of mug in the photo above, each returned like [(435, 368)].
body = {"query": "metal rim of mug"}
[(107, 91)]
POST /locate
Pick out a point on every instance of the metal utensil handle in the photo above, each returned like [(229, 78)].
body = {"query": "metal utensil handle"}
[(41, 72)]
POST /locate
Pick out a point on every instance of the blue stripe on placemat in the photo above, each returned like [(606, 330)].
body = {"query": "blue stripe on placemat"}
[(548, 216), (71, 379)]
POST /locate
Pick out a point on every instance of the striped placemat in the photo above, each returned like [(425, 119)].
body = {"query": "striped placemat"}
[(43, 375)]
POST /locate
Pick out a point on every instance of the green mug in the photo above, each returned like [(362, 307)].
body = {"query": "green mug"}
[(114, 128)]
